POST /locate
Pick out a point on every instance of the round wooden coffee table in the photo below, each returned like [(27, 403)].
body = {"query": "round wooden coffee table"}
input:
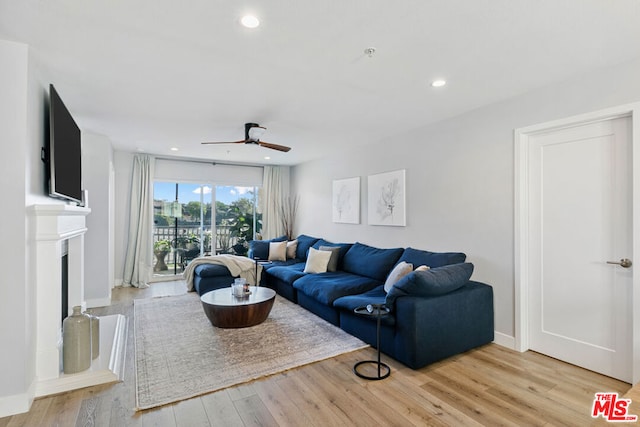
[(226, 311)]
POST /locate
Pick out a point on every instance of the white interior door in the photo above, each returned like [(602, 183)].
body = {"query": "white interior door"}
[(581, 218)]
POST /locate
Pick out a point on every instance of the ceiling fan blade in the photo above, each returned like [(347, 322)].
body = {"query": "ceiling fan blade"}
[(226, 142), (274, 146)]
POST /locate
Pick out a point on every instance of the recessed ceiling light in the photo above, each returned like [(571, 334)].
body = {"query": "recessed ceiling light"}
[(250, 21), (174, 149), (438, 83), (267, 158)]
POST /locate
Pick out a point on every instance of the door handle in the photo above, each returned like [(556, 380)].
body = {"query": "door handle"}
[(624, 263)]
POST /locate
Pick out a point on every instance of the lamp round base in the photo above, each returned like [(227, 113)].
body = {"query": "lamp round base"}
[(379, 365)]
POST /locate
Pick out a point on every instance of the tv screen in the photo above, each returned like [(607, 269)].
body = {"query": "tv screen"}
[(65, 151)]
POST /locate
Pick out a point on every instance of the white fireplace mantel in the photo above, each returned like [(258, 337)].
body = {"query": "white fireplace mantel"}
[(53, 224), (59, 222)]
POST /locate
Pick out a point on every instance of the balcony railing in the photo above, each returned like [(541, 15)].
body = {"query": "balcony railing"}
[(223, 243)]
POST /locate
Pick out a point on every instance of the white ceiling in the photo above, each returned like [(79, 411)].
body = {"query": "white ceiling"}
[(155, 74)]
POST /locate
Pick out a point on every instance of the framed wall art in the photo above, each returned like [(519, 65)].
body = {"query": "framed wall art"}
[(387, 199), (346, 200)]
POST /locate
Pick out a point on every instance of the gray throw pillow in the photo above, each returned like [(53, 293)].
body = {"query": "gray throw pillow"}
[(335, 254)]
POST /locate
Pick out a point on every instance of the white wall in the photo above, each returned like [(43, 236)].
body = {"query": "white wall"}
[(207, 173), (14, 359), (22, 131), (460, 179), (97, 177), (24, 85)]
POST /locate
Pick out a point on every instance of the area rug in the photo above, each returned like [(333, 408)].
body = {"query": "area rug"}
[(180, 355)]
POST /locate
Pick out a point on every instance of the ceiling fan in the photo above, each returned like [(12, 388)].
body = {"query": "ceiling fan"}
[(252, 134)]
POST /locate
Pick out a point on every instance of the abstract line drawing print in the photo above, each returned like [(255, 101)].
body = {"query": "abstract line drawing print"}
[(346, 200), (386, 204)]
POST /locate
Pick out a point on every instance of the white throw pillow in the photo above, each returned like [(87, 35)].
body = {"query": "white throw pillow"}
[(292, 246), (398, 272), (422, 268), (317, 261), (277, 251)]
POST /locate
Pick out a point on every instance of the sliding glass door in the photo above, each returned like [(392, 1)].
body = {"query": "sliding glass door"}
[(183, 218), (237, 221), (182, 225)]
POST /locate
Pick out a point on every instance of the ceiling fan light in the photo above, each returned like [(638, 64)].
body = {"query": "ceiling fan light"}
[(256, 132), (250, 21)]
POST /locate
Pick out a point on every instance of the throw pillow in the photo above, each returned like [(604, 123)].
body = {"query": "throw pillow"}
[(398, 272), (432, 282), (422, 268), (277, 251), (335, 254), (291, 249), (317, 261), (259, 249)]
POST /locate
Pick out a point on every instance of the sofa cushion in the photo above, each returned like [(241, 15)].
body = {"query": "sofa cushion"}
[(270, 264), (288, 274), (304, 243), (376, 295), (327, 287), (432, 259), (317, 261), (211, 270), (260, 248), (399, 271), (432, 282), (371, 262)]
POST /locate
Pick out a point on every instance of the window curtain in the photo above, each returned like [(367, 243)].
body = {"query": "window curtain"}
[(138, 265), (274, 188)]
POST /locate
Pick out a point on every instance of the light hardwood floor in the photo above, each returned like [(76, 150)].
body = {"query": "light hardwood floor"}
[(488, 386)]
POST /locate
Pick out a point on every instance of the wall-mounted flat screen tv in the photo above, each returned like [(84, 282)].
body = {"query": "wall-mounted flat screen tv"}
[(64, 153)]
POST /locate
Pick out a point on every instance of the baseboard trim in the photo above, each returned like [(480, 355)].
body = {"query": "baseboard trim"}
[(99, 302), (17, 403), (504, 340)]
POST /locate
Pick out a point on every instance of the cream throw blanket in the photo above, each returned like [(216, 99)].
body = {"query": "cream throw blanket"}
[(237, 265)]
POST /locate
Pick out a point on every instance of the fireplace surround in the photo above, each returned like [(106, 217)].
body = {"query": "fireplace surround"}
[(57, 227)]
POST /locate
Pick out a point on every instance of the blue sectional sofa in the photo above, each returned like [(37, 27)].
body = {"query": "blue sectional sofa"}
[(435, 313)]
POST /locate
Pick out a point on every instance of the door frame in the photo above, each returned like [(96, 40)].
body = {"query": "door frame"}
[(522, 139)]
